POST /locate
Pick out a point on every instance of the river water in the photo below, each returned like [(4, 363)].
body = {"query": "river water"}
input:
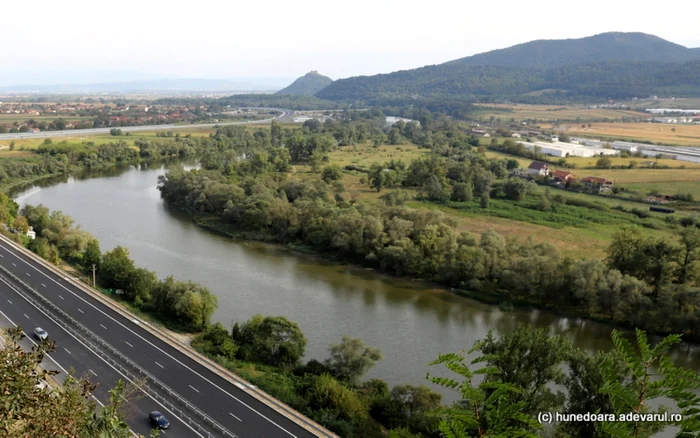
[(411, 322)]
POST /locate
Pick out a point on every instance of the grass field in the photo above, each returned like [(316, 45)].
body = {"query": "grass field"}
[(662, 133), (552, 112), (667, 181), (576, 231), (365, 154)]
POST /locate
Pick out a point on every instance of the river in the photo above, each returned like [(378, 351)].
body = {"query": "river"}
[(411, 322)]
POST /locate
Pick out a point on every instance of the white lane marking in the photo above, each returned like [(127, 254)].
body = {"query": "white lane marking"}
[(28, 274), (160, 365), (93, 373), (129, 344), (235, 417), (13, 264), (61, 297), (25, 315), (9, 301), (193, 388), (48, 355), (100, 357), (2, 256), (43, 284), (150, 343), (67, 351), (80, 310), (103, 327)]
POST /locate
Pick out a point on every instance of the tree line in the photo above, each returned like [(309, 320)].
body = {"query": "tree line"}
[(184, 305)]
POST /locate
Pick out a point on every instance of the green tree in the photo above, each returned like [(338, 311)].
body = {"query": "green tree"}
[(184, 302), (515, 189), (687, 257), (529, 359), (437, 190), (603, 163), (332, 173), (216, 341), (462, 192), (92, 255), (351, 359), (377, 177), (116, 268), (272, 340), (21, 224), (485, 199)]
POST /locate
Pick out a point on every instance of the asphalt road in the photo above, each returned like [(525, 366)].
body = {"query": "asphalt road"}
[(227, 403), (95, 131), (72, 355)]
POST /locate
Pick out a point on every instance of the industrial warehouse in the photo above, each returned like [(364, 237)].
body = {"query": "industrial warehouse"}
[(562, 149)]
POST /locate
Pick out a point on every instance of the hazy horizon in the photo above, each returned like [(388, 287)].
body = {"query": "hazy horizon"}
[(71, 43)]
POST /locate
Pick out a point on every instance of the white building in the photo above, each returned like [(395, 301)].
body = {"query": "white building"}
[(561, 149), (626, 146)]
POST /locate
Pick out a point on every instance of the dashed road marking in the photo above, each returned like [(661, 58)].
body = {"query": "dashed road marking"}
[(93, 373), (160, 365), (129, 344), (80, 310), (28, 274), (61, 297), (25, 315), (67, 351), (43, 284), (9, 301), (193, 388), (103, 327), (13, 264), (235, 417)]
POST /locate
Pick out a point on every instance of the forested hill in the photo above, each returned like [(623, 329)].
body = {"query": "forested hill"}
[(307, 85), (611, 46), (613, 65)]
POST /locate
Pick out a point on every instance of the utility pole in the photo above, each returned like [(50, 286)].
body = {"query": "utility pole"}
[(94, 267)]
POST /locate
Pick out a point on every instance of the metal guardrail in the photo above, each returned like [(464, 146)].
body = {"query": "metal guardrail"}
[(261, 396), (6, 273)]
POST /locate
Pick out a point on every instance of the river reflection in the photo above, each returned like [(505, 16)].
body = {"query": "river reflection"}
[(411, 322)]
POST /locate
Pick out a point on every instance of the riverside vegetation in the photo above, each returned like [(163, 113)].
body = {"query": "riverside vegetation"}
[(254, 195)]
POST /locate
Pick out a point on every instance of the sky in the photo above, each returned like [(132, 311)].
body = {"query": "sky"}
[(83, 41)]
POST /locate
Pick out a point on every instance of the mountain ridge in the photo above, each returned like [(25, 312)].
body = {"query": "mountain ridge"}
[(610, 65)]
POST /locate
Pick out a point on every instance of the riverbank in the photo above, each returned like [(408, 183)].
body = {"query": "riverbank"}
[(493, 297)]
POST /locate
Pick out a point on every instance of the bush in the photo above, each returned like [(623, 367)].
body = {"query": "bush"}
[(215, 341)]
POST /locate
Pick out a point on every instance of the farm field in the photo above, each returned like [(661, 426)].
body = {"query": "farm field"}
[(553, 112), (661, 133), (666, 181)]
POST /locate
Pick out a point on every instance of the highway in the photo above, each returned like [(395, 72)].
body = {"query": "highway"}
[(228, 405), (95, 131), (72, 355)]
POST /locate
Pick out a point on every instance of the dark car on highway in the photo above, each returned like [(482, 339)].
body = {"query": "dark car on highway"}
[(157, 419)]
